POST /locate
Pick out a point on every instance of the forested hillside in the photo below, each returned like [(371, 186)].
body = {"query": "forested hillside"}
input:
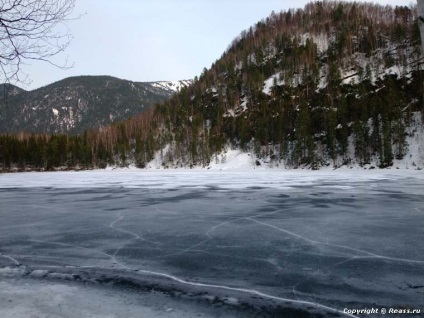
[(334, 83), (76, 104)]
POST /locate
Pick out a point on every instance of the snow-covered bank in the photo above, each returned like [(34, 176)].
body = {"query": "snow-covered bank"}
[(235, 159)]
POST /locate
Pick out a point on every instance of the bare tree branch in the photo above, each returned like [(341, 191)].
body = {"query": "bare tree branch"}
[(28, 31)]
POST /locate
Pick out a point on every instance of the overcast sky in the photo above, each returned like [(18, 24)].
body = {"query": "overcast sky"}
[(152, 40)]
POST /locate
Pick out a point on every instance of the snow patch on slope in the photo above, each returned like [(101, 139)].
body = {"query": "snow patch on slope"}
[(231, 159), (270, 83), (321, 41), (158, 159), (174, 86)]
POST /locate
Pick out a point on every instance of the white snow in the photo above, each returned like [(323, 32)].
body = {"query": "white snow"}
[(158, 159), (323, 71), (415, 139), (321, 40), (174, 86), (233, 160), (244, 104), (237, 109), (24, 299), (269, 83), (234, 175)]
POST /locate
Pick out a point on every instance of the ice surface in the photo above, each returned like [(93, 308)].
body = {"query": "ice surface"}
[(22, 299), (234, 173), (214, 243)]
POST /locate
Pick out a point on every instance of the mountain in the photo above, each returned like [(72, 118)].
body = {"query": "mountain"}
[(9, 90), (76, 104), (333, 84)]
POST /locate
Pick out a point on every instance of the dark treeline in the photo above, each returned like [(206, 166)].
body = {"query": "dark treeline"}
[(94, 149), (329, 90)]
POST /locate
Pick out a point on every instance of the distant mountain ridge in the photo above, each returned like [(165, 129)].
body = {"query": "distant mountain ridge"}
[(76, 104)]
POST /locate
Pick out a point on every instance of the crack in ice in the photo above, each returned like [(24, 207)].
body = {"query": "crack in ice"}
[(247, 291), (10, 258), (320, 270), (135, 235), (224, 287), (370, 254)]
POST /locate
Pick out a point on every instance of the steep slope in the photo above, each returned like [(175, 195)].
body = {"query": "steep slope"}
[(76, 104), (331, 84)]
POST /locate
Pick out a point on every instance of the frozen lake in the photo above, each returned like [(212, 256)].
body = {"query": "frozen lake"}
[(211, 243)]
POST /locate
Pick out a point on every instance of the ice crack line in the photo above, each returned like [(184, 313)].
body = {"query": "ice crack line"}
[(247, 291), (336, 245), (11, 259), (120, 218), (135, 235), (112, 225), (213, 228), (242, 290), (320, 270)]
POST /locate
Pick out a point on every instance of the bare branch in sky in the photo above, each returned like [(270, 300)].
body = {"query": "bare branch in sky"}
[(29, 31)]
